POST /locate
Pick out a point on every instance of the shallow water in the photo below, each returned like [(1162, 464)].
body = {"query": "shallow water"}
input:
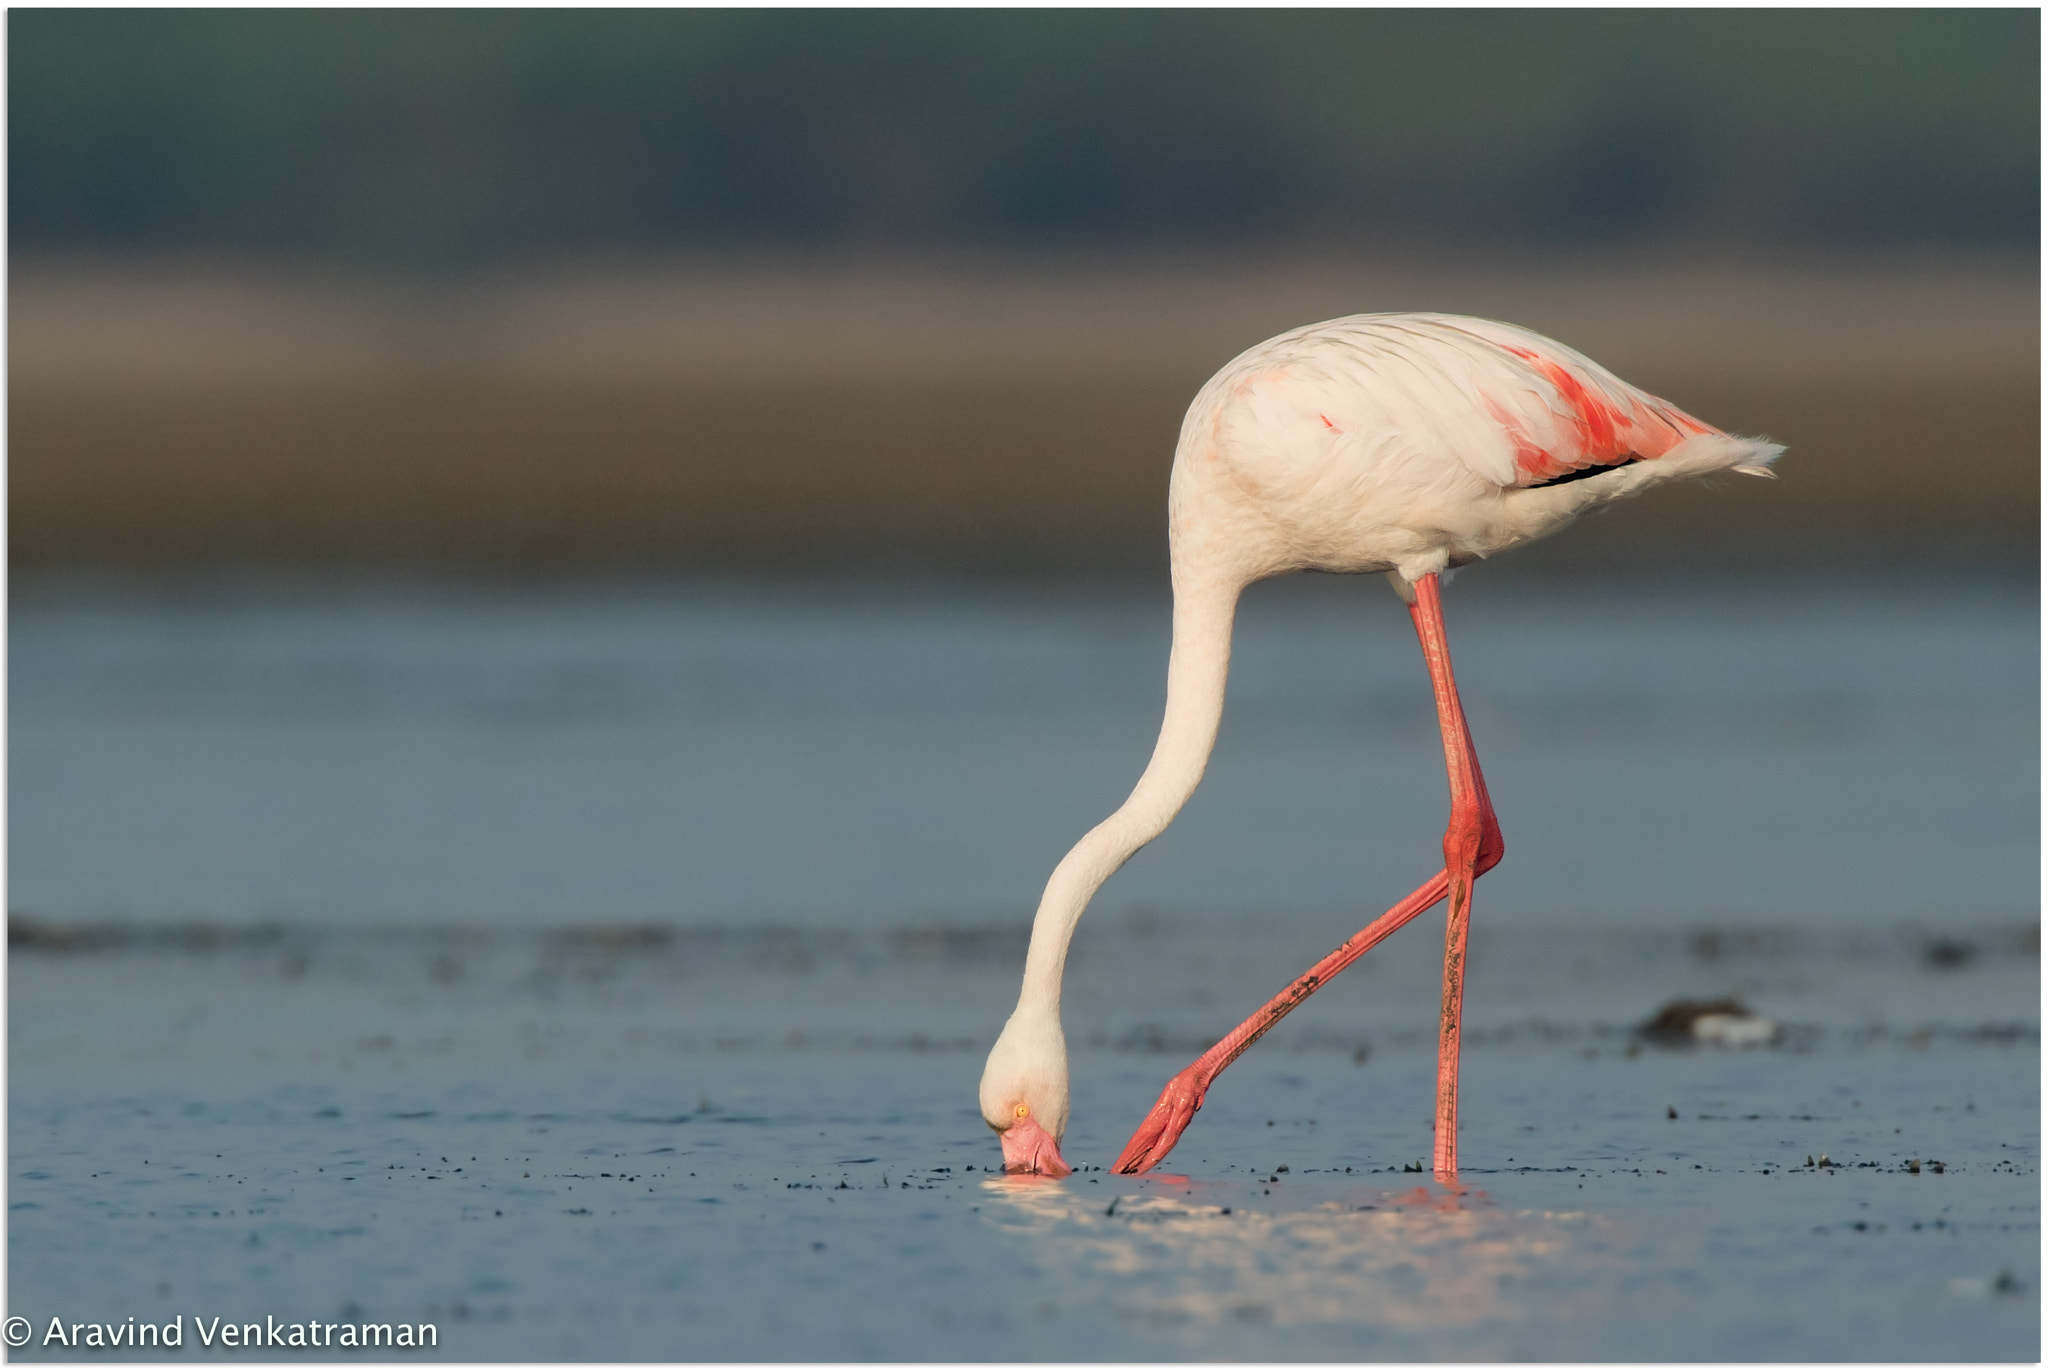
[(1787, 750), (542, 967), (765, 1144)]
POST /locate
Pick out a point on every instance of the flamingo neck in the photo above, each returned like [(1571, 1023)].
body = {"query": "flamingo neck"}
[(1195, 679)]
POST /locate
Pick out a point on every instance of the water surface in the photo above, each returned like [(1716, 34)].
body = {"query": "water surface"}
[(1819, 749), (606, 973), (739, 1145)]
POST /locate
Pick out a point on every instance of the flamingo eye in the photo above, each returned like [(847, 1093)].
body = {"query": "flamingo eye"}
[(1023, 1110)]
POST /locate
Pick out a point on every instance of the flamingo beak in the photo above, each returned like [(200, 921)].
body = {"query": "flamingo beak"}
[(1029, 1149)]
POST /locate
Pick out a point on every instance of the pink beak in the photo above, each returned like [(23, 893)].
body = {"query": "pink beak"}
[(1029, 1149)]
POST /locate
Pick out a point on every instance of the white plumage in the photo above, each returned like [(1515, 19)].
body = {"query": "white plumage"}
[(1397, 443), (1413, 442)]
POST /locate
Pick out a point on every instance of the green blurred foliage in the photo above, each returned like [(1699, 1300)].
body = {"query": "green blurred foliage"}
[(449, 138)]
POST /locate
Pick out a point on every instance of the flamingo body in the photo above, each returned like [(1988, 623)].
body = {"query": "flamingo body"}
[(1398, 443), (1416, 442)]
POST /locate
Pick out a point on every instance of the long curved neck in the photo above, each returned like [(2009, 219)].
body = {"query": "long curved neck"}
[(1195, 680)]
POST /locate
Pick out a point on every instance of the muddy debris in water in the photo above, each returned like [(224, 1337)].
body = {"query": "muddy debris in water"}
[(1718, 1022)]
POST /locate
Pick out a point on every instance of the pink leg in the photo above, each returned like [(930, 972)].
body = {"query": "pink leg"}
[(1472, 847), (1183, 1095)]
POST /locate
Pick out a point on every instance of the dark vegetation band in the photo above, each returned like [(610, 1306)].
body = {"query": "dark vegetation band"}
[(448, 138)]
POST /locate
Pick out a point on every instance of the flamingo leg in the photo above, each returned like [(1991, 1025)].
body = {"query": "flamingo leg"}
[(1472, 846), (1473, 825), (1183, 1094)]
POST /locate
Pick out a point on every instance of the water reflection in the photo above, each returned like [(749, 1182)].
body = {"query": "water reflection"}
[(1419, 1260)]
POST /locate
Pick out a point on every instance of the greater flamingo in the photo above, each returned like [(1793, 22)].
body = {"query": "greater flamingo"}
[(1401, 443)]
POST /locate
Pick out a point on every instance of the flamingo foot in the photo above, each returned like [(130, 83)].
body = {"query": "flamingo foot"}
[(1169, 1118)]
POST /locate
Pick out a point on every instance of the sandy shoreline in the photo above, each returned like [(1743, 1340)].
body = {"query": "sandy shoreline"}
[(754, 414), (953, 316)]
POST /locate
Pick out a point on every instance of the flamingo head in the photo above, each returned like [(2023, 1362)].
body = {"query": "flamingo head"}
[(1024, 1093)]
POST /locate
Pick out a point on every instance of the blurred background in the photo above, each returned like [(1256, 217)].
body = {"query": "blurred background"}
[(711, 465)]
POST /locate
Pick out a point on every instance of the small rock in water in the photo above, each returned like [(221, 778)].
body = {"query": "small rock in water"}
[(1717, 1022)]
